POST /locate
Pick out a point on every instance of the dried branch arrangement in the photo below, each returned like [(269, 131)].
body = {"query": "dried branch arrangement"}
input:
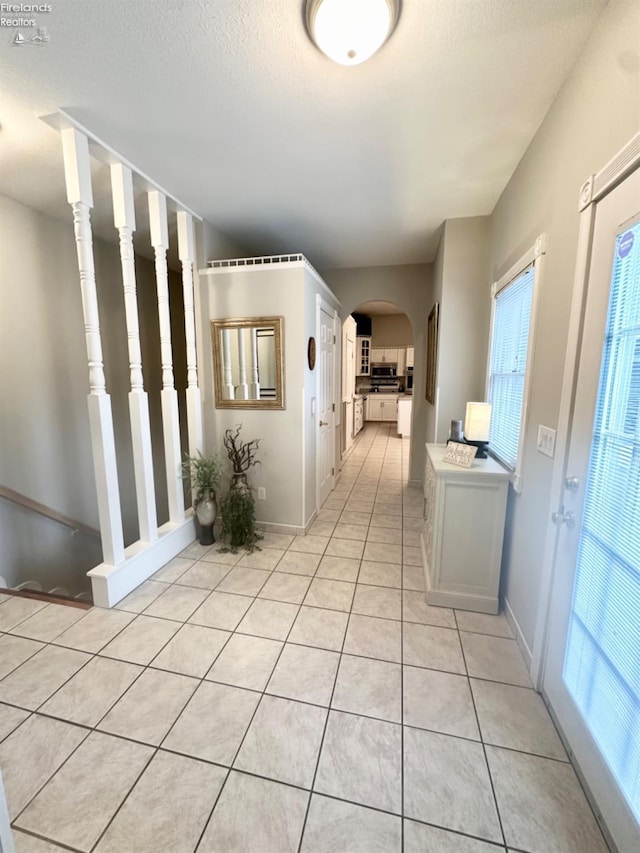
[(242, 456)]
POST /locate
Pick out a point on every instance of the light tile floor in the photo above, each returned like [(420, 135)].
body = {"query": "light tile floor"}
[(301, 698)]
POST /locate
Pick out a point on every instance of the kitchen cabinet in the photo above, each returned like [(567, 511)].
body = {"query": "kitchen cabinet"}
[(382, 407), (384, 355), (363, 357), (463, 530), (358, 415), (409, 357), (404, 416), (401, 361)]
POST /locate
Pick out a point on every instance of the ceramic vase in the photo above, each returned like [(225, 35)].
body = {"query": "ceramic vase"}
[(206, 511)]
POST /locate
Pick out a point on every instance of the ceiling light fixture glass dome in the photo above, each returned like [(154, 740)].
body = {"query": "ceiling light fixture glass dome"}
[(351, 31)]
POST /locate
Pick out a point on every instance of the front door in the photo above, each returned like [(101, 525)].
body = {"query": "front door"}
[(325, 359), (592, 668)]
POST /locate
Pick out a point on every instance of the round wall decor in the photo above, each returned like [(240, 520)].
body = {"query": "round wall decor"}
[(311, 353)]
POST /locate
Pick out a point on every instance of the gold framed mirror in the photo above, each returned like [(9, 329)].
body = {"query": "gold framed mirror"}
[(248, 361)]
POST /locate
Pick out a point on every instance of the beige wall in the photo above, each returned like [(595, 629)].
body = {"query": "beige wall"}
[(410, 287), (595, 113), (391, 330)]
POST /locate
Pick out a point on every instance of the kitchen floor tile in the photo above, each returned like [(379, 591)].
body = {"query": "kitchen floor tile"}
[(381, 553), (369, 687), (277, 815), (413, 578), (285, 587), (381, 519), (272, 619), (283, 741), (204, 575), (333, 825), (192, 650), (213, 723), (297, 563), (542, 804), (329, 594), (431, 647), (362, 519), (411, 556), (495, 659), (309, 544), (349, 548), (374, 638), (436, 766), (32, 754), (95, 629), (87, 697), (221, 610), (149, 708), (377, 601), (243, 580), (177, 812), (141, 640), (246, 662), (385, 535), (219, 554), (276, 540), (380, 574), (304, 673), (142, 597), (173, 570), (17, 610), (321, 528), (483, 623), (439, 701), (420, 838), (40, 676), (15, 651), (416, 609), (48, 623), (361, 762), (315, 626), (265, 558), (350, 531), (76, 789), (338, 569), (10, 719)]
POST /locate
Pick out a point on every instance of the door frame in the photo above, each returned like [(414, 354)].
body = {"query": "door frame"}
[(591, 192), (323, 305)]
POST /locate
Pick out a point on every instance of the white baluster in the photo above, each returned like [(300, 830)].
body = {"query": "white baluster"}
[(77, 168), (254, 380), (125, 221), (186, 252), (228, 390), (243, 388), (168, 395)]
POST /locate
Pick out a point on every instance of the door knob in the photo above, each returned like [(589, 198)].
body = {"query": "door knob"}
[(572, 484), (324, 423), (567, 518)]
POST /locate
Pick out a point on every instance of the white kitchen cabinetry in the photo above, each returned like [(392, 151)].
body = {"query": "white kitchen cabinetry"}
[(464, 514), (382, 355), (409, 357), (404, 416), (358, 415), (401, 361), (377, 355), (363, 361), (382, 407)]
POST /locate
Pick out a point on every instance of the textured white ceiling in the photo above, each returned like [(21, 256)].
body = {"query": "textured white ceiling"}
[(229, 106)]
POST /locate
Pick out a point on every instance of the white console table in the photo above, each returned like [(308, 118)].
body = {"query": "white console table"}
[(464, 515)]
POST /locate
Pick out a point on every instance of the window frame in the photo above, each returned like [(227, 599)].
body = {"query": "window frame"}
[(533, 257)]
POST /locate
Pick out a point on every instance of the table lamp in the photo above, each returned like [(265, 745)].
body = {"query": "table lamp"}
[(476, 427)]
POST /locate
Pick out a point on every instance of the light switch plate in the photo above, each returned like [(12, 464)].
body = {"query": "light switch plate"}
[(546, 440)]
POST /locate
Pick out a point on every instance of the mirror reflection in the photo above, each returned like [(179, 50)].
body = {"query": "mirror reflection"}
[(248, 363)]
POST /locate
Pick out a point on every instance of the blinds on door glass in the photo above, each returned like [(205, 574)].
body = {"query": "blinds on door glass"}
[(509, 343), (602, 662)]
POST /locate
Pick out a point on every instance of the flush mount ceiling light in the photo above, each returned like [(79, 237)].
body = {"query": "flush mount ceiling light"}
[(350, 31)]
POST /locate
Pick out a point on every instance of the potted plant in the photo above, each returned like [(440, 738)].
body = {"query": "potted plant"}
[(203, 475), (242, 457), (238, 511)]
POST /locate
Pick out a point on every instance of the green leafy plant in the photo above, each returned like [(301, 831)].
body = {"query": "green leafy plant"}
[(239, 520), (203, 473)]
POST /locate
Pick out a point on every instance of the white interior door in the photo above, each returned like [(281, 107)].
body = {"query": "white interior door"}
[(326, 399), (592, 667)]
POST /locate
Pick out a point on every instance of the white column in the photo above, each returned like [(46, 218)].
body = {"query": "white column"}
[(254, 382), (228, 391), (186, 253), (125, 221), (168, 395), (243, 388), (77, 168)]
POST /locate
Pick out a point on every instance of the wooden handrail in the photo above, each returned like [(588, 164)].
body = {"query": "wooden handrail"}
[(41, 509)]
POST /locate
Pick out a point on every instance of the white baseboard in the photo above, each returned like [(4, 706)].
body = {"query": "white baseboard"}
[(110, 584), (417, 484), (520, 639), (289, 529)]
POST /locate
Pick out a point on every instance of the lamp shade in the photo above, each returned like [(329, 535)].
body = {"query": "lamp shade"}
[(477, 421), (350, 31)]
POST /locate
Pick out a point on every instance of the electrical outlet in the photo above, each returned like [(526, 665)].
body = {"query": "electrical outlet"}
[(262, 493), (546, 440)]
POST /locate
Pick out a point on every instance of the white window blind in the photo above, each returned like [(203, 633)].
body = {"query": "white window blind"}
[(602, 662), (508, 364)]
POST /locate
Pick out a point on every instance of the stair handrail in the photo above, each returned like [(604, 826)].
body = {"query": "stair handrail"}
[(48, 512)]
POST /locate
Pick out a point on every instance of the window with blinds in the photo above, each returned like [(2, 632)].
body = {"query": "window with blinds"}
[(602, 661), (508, 364)]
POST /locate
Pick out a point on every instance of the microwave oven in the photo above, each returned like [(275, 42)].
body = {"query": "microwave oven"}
[(384, 371)]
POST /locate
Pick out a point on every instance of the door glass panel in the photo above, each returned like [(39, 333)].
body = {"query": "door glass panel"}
[(602, 661)]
